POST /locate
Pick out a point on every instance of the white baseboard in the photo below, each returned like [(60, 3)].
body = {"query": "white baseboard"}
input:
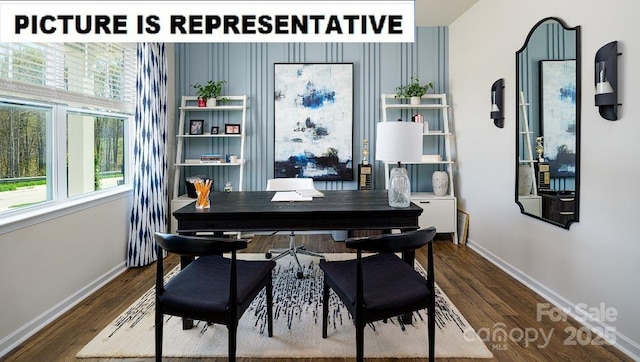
[(621, 342), (20, 335)]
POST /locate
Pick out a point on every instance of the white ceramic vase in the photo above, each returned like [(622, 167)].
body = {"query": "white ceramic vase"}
[(525, 180), (415, 101), (440, 182), (212, 102)]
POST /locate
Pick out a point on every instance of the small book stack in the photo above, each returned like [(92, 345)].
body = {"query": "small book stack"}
[(211, 158)]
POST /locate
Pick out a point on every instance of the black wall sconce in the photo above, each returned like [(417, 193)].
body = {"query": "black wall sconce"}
[(606, 81), (497, 102)]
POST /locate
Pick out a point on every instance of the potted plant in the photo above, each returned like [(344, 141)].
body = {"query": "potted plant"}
[(209, 93), (413, 90)]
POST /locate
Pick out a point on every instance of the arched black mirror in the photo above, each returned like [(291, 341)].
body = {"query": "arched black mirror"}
[(548, 123)]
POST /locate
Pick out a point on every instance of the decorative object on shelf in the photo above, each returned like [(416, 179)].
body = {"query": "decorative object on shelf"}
[(440, 182), (525, 180), (365, 170), (215, 130), (203, 188), (414, 90), (211, 158), (196, 126), (190, 184), (313, 121), (606, 79), (497, 102), (365, 151), (540, 148), (399, 142), (230, 128), (208, 94)]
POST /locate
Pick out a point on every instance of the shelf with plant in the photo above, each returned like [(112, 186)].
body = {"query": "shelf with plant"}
[(209, 93), (414, 90)]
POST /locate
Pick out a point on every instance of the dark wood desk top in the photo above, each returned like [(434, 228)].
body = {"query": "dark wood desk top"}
[(337, 210)]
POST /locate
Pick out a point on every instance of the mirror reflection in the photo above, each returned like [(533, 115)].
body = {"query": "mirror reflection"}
[(548, 119)]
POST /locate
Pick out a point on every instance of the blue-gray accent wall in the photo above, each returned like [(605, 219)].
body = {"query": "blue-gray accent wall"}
[(248, 69)]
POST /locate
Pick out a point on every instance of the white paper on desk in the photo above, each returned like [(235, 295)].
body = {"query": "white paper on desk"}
[(290, 196), (310, 192)]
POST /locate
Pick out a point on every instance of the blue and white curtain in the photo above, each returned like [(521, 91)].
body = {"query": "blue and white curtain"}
[(149, 209)]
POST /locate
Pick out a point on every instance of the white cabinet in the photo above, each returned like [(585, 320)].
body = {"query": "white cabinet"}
[(439, 211), (190, 148)]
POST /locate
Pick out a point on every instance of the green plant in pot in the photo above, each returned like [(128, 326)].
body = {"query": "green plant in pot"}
[(208, 94), (413, 90)]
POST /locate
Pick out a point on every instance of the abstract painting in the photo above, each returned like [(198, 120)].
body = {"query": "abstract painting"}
[(558, 115), (313, 116)]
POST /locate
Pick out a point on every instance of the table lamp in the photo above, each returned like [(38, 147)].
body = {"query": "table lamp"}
[(399, 142)]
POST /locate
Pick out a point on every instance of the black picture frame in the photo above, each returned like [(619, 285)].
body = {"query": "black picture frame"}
[(232, 128), (558, 110), (313, 121), (196, 126), (215, 130)]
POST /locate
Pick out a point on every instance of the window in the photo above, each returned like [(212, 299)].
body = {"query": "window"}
[(65, 115), (24, 169), (95, 152)]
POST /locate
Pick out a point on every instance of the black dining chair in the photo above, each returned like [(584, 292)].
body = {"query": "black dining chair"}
[(382, 285), (211, 288)]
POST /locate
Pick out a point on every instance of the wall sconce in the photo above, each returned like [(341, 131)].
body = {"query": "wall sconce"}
[(606, 81), (497, 102)]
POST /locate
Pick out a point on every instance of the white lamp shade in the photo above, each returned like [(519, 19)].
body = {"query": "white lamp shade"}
[(399, 141)]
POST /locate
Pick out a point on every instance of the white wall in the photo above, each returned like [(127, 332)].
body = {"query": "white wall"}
[(596, 262), (47, 267)]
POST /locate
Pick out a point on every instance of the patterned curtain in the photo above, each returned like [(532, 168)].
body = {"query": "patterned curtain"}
[(149, 210)]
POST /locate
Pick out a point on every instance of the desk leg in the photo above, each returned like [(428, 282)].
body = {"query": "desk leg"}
[(184, 261), (409, 257)]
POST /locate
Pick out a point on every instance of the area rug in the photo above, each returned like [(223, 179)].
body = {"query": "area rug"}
[(297, 327)]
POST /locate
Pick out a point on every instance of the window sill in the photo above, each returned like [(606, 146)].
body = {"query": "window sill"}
[(52, 210)]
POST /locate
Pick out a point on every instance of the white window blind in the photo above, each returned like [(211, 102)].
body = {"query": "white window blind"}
[(92, 75)]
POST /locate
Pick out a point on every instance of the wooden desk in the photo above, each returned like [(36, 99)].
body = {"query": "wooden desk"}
[(337, 210)]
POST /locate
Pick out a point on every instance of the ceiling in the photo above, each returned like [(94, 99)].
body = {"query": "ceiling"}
[(440, 12)]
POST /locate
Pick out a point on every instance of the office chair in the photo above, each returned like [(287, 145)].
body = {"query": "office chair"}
[(382, 285), (211, 288), (291, 184)]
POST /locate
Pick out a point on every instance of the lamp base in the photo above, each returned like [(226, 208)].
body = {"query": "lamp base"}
[(399, 188)]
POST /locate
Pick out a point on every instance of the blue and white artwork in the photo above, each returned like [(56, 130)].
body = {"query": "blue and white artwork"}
[(558, 112), (313, 116)]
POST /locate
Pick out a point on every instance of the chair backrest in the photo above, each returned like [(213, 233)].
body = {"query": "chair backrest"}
[(290, 184), (198, 245), (394, 243)]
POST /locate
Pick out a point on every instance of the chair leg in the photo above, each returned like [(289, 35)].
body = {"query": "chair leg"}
[(159, 326), (293, 250), (233, 330), (270, 307), (325, 309), (431, 326), (360, 342)]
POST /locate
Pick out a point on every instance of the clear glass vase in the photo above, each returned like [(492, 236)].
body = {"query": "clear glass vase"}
[(399, 188)]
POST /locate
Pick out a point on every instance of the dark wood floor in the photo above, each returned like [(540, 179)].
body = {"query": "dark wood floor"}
[(488, 298)]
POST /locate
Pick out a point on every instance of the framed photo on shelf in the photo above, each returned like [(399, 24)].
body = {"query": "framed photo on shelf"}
[(232, 128), (196, 126), (214, 130)]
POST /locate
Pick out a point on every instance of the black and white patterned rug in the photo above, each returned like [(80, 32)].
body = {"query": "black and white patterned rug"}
[(297, 326)]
